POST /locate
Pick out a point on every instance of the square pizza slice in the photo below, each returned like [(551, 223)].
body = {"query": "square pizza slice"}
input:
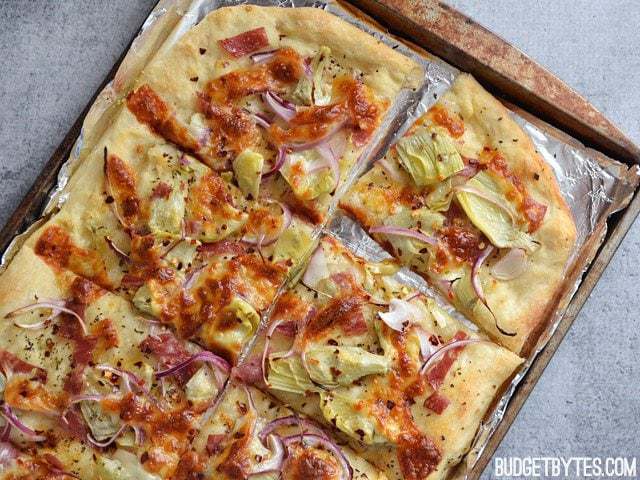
[(283, 98), (89, 387), (181, 241), (406, 384), (465, 200), (253, 435)]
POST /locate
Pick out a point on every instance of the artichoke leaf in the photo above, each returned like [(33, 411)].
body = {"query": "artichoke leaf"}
[(202, 386), (302, 173), (429, 156), (289, 375), (331, 366), (343, 407), (103, 424), (495, 222), (248, 171), (294, 243), (123, 466)]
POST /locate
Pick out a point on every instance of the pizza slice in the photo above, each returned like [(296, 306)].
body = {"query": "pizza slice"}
[(181, 241), (90, 389), (284, 98), (465, 200), (252, 435), (406, 384)]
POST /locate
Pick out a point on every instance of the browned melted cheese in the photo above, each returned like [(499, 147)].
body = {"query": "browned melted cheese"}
[(418, 455), (149, 108), (285, 68), (533, 211), (309, 464), (441, 116), (57, 249), (355, 109), (121, 184)]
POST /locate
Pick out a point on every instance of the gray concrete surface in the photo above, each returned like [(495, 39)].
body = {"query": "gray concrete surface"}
[(54, 54)]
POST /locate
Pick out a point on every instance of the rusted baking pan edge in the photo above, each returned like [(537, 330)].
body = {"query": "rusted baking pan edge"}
[(462, 42)]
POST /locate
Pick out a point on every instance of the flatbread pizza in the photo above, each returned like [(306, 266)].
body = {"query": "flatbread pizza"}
[(465, 200)]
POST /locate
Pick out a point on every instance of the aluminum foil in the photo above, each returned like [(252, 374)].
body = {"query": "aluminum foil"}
[(593, 186)]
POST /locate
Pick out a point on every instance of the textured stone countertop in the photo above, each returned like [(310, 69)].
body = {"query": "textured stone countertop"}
[(55, 54)]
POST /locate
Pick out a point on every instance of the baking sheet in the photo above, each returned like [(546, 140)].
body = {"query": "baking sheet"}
[(593, 186)]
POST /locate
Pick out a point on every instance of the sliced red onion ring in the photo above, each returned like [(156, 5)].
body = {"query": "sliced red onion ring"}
[(264, 240), (468, 171), (285, 110), (404, 232), (401, 313), (332, 159), (325, 443), (275, 460), (426, 347), (10, 417), (191, 277), (317, 268), (479, 193), (262, 57), (128, 377), (280, 159), (116, 249), (449, 346), (393, 173), (301, 147), (475, 274), (511, 266), (57, 307), (6, 432), (8, 453), (205, 356), (289, 421), (109, 440), (477, 287), (261, 120)]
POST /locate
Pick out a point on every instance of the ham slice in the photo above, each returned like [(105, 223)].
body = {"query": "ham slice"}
[(245, 43)]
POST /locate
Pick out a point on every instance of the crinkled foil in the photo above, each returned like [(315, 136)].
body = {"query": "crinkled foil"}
[(593, 185)]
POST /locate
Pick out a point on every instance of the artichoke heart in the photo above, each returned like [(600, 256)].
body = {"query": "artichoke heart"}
[(429, 156), (332, 366), (294, 243), (149, 298), (289, 375), (202, 386), (248, 170), (103, 425), (421, 219), (240, 321), (123, 466), (492, 214), (346, 408), (305, 179)]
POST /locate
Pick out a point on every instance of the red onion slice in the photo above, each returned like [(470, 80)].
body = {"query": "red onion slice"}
[(116, 249), (109, 440), (511, 266), (301, 147), (261, 120), (8, 453), (219, 362), (289, 421), (317, 268), (6, 432), (404, 232), (262, 57), (332, 159), (317, 441), (475, 274), (264, 240), (283, 109), (57, 307), (448, 347), (10, 417), (401, 313), (275, 460), (426, 347), (191, 277), (280, 159), (393, 173), (265, 350), (129, 378)]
